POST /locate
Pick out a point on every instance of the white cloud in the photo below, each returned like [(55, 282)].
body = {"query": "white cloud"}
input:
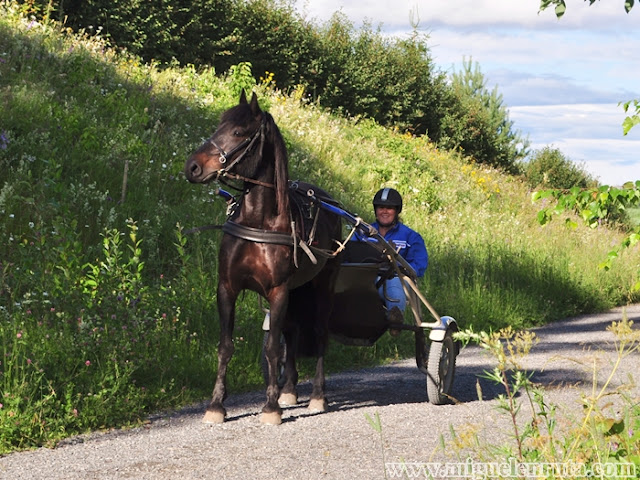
[(547, 123), (474, 14), (604, 159), (587, 133), (561, 79)]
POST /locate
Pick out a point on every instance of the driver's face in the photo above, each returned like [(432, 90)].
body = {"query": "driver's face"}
[(385, 215)]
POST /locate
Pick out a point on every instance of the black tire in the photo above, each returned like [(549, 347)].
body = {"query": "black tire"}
[(264, 365), (441, 367)]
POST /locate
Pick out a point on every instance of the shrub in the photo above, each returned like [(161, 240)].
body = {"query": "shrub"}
[(359, 73), (550, 168)]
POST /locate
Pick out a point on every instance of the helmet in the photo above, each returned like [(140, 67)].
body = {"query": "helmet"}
[(388, 197)]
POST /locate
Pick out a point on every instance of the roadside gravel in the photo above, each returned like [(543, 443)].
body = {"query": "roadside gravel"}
[(338, 444)]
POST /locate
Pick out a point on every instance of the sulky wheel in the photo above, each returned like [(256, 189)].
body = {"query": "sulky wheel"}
[(281, 360), (441, 367)]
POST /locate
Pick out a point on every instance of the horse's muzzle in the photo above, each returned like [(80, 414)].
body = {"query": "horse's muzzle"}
[(193, 171)]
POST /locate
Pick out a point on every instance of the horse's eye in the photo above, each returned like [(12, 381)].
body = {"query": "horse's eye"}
[(237, 133)]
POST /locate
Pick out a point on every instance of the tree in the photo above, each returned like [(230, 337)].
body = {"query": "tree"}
[(478, 122)]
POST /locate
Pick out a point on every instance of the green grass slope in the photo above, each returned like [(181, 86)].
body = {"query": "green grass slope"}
[(107, 310)]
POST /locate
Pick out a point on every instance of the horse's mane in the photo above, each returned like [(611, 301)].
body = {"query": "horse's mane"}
[(281, 158)]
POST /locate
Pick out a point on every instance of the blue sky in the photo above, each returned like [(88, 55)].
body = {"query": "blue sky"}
[(561, 79)]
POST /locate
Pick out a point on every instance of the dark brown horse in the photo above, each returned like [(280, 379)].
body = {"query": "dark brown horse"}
[(260, 251)]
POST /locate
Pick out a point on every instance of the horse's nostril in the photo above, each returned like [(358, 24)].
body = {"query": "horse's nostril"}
[(193, 169)]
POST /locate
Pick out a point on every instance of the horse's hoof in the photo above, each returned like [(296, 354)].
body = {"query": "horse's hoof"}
[(318, 405), (213, 417), (288, 399), (272, 418)]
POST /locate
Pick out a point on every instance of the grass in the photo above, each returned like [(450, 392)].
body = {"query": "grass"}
[(634, 216), (107, 310)]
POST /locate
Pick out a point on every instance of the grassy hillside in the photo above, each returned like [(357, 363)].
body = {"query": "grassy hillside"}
[(107, 310)]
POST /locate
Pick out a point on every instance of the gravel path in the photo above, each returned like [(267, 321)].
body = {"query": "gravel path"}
[(338, 444)]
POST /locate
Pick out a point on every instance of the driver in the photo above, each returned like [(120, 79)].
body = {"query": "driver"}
[(387, 205)]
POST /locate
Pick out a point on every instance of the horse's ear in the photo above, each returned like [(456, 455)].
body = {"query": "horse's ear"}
[(255, 108), (243, 97)]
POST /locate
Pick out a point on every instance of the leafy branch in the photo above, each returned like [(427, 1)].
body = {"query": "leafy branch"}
[(594, 206), (631, 120), (561, 7)]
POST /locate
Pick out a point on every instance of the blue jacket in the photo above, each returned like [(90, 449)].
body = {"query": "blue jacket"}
[(410, 243)]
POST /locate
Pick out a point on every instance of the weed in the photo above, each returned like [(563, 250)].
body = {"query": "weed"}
[(606, 437)]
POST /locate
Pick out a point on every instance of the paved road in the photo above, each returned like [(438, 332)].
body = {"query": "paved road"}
[(339, 444)]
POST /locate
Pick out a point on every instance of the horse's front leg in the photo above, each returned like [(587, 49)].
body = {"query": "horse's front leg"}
[(216, 412), (278, 301)]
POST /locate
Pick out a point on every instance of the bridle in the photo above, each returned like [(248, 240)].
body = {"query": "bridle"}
[(247, 144)]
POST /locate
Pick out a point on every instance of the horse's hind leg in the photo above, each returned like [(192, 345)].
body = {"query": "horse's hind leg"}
[(216, 412), (318, 401), (323, 293), (272, 412), (288, 394)]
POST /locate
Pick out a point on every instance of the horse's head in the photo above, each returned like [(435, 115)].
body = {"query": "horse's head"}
[(246, 145), (238, 135)]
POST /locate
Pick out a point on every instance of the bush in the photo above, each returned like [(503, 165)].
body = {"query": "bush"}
[(549, 168)]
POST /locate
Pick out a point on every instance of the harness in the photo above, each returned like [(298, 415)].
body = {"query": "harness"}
[(301, 195), (302, 233)]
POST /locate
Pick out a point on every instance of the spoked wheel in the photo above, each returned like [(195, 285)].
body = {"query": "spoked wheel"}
[(441, 367), (281, 360)]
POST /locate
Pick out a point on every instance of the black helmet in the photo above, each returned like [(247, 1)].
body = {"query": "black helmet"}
[(388, 197)]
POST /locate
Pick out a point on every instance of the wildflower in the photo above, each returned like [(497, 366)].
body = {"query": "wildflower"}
[(4, 141), (29, 361), (1, 405), (19, 335), (87, 363)]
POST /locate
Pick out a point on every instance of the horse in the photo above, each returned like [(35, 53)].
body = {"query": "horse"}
[(259, 252)]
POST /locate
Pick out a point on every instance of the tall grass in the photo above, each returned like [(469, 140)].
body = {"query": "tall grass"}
[(107, 310)]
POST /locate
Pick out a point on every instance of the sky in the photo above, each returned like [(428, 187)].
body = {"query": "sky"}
[(561, 79)]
